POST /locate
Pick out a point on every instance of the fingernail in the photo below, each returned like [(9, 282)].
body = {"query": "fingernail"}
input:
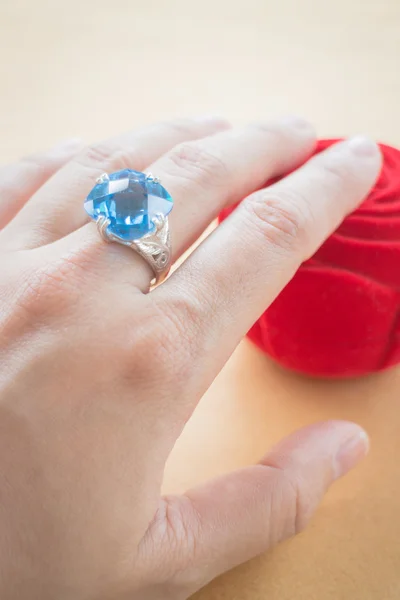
[(362, 145), (351, 453), (66, 147), (296, 121)]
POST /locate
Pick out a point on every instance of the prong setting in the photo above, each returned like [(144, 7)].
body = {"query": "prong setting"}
[(103, 178), (150, 177), (159, 221), (102, 224)]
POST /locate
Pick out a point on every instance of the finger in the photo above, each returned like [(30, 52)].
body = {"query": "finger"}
[(234, 275), (57, 209), (205, 175), (208, 174), (19, 181), (229, 520)]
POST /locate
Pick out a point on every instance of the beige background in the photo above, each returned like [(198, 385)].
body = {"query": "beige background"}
[(94, 68)]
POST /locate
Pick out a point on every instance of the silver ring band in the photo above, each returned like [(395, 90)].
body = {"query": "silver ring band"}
[(155, 247)]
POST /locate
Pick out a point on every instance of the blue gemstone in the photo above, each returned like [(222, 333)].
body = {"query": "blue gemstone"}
[(130, 201)]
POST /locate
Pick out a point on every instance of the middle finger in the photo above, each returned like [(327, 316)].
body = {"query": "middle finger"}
[(206, 175)]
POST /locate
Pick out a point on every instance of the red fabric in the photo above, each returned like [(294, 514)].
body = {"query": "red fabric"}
[(340, 314)]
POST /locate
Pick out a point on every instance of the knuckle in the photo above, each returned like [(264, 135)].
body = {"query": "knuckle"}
[(46, 293), (105, 157), (57, 288), (182, 530), (335, 171), (289, 508), (182, 526), (96, 155), (164, 343), (135, 355), (184, 323), (191, 161), (162, 356), (268, 128), (182, 127), (36, 163), (177, 526), (283, 219), (36, 167), (299, 503), (149, 349)]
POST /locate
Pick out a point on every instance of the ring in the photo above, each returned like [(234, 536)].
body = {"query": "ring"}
[(132, 208)]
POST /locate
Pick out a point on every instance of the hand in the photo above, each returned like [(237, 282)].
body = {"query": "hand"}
[(98, 377)]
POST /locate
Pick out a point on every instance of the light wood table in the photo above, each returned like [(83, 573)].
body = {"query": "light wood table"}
[(93, 68)]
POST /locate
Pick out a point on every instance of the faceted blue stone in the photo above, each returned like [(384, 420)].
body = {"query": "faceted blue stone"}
[(130, 201)]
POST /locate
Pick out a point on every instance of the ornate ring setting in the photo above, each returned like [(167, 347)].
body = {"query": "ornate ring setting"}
[(131, 208)]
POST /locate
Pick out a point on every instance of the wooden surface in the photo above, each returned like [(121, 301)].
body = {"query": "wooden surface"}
[(93, 68)]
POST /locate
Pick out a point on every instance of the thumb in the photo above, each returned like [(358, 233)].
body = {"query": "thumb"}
[(238, 516)]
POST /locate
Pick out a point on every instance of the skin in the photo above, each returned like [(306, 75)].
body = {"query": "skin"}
[(98, 376)]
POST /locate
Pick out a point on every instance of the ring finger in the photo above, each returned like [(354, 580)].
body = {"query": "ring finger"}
[(205, 175), (56, 209)]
